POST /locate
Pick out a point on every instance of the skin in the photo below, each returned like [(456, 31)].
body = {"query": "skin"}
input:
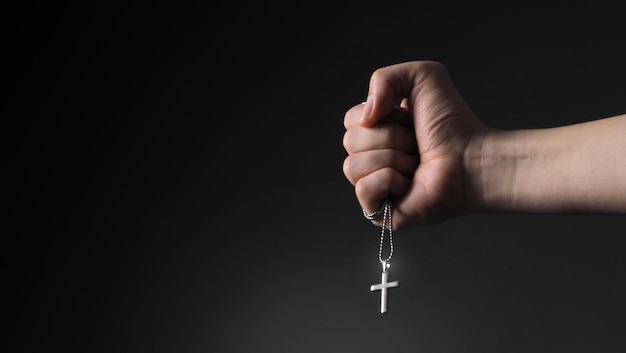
[(436, 159)]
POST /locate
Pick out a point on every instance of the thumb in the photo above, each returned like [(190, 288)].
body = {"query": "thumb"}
[(391, 84), (382, 94)]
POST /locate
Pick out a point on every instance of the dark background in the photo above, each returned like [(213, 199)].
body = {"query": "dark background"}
[(175, 183)]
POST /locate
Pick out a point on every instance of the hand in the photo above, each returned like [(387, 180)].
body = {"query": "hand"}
[(414, 152)]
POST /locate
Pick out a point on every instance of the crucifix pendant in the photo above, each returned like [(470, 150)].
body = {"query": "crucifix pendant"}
[(383, 286)]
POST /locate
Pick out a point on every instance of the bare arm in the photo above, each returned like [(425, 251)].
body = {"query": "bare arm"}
[(437, 160), (574, 168)]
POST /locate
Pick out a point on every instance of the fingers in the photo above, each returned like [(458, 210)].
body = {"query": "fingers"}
[(382, 136), (374, 188), (361, 164), (398, 115), (382, 158)]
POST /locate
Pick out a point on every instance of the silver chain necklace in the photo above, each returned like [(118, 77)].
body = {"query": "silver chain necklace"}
[(387, 226)]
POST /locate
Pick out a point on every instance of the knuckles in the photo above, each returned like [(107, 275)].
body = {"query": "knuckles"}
[(348, 169), (349, 143)]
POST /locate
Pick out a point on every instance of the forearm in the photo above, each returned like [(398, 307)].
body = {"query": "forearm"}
[(575, 168)]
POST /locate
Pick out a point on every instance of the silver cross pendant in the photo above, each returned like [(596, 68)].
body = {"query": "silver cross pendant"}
[(383, 286)]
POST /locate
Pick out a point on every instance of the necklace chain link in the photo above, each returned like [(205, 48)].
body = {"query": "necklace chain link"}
[(386, 226)]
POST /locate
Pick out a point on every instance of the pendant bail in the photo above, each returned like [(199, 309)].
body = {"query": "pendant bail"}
[(386, 265)]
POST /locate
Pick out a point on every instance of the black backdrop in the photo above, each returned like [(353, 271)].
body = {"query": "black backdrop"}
[(175, 183)]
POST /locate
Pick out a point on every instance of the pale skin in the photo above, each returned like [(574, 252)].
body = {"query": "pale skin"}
[(437, 160)]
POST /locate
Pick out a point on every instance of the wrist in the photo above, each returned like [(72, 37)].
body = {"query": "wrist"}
[(522, 171), (491, 164)]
